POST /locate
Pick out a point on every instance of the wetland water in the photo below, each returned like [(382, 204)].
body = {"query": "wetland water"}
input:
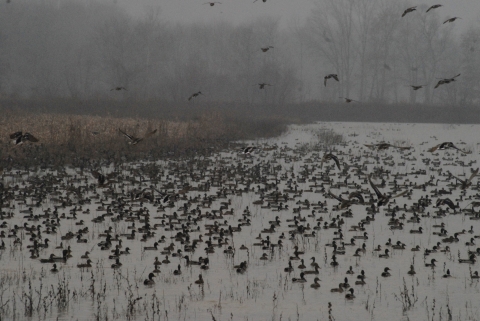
[(212, 194)]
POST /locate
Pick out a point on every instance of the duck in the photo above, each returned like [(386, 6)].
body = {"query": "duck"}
[(301, 279), (350, 296), (385, 272), (411, 271), (149, 281), (315, 283), (385, 255), (85, 265), (200, 280), (178, 271), (54, 269)]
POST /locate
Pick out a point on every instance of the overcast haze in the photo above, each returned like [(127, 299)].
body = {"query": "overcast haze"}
[(245, 10)]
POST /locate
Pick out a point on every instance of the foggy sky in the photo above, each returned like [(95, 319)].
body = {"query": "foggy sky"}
[(238, 11)]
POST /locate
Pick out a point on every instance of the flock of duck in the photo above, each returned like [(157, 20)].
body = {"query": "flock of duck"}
[(307, 212)]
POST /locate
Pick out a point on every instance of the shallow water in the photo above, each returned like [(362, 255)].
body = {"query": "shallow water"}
[(264, 291)]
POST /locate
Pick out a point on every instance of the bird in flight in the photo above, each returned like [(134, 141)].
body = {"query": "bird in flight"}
[(19, 138), (451, 19), (447, 145), (445, 201), (417, 87), (212, 3), (446, 81), (466, 182), (384, 146), (328, 157), (257, 0), (383, 199), (348, 100), (118, 88), (353, 198), (411, 9), (134, 140), (262, 85), (195, 95), (248, 150), (435, 6), (265, 49), (334, 76)]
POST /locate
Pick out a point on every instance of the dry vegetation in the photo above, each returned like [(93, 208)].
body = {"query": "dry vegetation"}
[(67, 137)]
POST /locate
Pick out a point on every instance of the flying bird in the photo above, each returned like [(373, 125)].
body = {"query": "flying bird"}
[(466, 182), (328, 157), (334, 76), (212, 3), (348, 100), (195, 95), (447, 145), (248, 150), (446, 81), (417, 87), (19, 138), (435, 6), (384, 146), (451, 19), (262, 85), (118, 88), (257, 0), (383, 199), (353, 198), (265, 49), (445, 201), (411, 9), (134, 140)]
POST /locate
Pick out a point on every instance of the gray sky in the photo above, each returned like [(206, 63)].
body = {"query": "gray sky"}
[(238, 11)]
